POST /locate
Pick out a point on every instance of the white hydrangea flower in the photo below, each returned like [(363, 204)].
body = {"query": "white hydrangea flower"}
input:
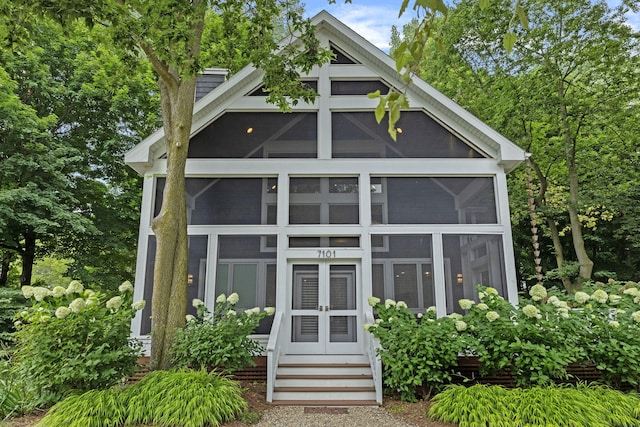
[(636, 316), (367, 326), (125, 287), (614, 323), (197, 302), (553, 300), (75, 287), (62, 312), (420, 315), (77, 305), (482, 306), (531, 311), (491, 291), (581, 297), (538, 292), (564, 312), (431, 309), (138, 305), (401, 304), (231, 313), (466, 304), (389, 303), (233, 298), (40, 293), (253, 311), (634, 292), (492, 316), (114, 303), (378, 321), (373, 301), (190, 318), (461, 325), (269, 310), (455, 316), (600, 296), (58, 291), (636, 300), (27, 291), (221, 298), (614, 299)]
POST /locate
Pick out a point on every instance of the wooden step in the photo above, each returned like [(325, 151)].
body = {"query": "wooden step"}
[(321, 403), (322, 377), (322, 389)]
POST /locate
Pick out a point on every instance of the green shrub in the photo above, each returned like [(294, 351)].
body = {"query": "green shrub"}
[(417, 353), (75, 339), (495, 406), (219, 339), (163, 398), (11, 303), (184, 398)]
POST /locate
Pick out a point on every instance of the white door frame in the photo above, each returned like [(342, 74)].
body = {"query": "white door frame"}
[(324, 311)]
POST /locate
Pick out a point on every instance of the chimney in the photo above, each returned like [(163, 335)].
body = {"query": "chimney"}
[(210, 79)]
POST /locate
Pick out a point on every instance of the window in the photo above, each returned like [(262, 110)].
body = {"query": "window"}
[(431, 200), (404, 272), (476, 259), (227, 201), (324, 201), (357, 87), (257, 135), (245, 268), (196, 276), (358, 135)]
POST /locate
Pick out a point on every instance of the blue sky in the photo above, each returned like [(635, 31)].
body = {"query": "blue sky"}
[(373, 19)]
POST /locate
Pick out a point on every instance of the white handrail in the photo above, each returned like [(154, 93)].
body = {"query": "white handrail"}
[(371, 345), (273, 354)]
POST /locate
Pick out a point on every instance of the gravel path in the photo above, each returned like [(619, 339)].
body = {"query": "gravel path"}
[(354, 416)]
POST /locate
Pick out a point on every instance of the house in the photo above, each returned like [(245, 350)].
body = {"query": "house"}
[(313, 211)]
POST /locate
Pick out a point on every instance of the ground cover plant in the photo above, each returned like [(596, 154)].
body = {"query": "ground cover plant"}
[(534, 342), (495, 406), (182, 398), (74, 339), (219, 339)]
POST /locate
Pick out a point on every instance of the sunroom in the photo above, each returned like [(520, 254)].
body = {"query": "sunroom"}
[(313, 211)]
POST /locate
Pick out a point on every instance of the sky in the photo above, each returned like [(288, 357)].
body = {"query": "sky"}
[(373, 19)]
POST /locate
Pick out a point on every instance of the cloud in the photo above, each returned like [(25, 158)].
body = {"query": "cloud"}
[(373, 22)]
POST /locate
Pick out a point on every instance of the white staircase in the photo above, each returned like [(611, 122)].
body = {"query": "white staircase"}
[(331, 380)]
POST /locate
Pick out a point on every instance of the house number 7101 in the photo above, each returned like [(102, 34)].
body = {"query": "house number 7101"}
[(326, 253)]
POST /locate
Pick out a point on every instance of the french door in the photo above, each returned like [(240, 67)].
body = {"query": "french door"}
[(324, 308)]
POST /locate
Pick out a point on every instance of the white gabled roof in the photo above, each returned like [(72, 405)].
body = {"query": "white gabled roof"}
[(440, 107)]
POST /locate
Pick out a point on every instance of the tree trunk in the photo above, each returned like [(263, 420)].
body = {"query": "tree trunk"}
[(169, 302), (28, 258), (4, 269), (586, 264)]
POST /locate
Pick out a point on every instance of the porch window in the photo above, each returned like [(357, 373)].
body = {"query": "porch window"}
[(475, 259), (404, 270), (324, 201), (196, 276), (357, 135), (257, 135), (246, 267), (433, 200), (227, 201)]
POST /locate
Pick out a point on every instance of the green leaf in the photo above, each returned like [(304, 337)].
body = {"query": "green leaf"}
[(484, 4), (374, 95), (380, 109), (522, 15), (403, 7), (509, 41)]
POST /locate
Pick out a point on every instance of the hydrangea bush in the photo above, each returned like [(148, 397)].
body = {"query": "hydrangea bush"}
[(219, 339), (418, 352), (536, 341), (75, 339)]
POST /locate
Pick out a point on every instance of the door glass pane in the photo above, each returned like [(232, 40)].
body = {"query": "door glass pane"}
[(304, 328), (244, 284), (428, 291), (305, 287), (405, 283), (342, 329), (342, 290), (222, 279)]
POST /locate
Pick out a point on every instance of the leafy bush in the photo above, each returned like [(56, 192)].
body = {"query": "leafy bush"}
[(535, 342), (581, 406), (11, 302), (219, 339), (75, 339), (14, 398), (163, 398), (416, 352)]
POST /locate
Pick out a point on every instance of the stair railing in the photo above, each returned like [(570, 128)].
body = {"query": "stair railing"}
[(273, 353), (371, 345)]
